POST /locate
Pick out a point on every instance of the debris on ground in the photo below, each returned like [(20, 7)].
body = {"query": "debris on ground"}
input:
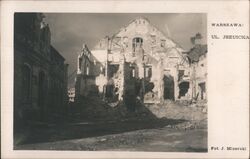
[(173, 110), (93, 117), (159, 140)]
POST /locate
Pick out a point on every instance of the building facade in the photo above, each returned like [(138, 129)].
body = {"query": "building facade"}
[(40, 74), (89, 74), (198, 68), (141, 62)]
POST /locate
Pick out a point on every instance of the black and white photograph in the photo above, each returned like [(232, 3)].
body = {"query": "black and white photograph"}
[(110, 82), (123, 79)]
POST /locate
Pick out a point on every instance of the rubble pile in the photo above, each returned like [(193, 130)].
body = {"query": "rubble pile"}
[(95, 109), (173, 110), (189, 125), (195, 114)]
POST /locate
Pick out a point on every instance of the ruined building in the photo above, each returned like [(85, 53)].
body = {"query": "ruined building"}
[(198, 69), (71, 95), (139, 62), (40, 74), (90, 72)]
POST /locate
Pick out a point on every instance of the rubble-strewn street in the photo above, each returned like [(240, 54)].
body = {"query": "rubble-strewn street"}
[(134, 89), (140, 131), (157, 139)]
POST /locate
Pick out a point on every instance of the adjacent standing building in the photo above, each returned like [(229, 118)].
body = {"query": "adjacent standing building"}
[(198, 69), (40, 74)]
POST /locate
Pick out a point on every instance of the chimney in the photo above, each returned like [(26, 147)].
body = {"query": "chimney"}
[(198, 39)]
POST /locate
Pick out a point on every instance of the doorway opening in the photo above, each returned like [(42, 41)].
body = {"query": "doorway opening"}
[(168, 87), (203, 90)]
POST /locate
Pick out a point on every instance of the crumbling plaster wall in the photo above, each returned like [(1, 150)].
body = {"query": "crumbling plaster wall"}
[(199, 76), (88, 69), (164, 55)]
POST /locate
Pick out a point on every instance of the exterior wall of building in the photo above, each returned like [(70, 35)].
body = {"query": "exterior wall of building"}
[(58, 82), (38, 70), (199, 78), (198, 60), (144, 46), (88, 68), (142, 63), (100, 56)]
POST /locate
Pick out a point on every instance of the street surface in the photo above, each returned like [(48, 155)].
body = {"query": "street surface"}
[(161, 136), (164, 127)]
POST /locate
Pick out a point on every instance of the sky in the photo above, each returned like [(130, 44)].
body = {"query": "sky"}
[(70, 30)]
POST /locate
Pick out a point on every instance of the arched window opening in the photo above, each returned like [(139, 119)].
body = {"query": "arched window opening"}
[(80, 63), (42, 93), (163, 41), (137, 44), (132, 72), (153, 39), (26, 82), (87, 69), (148, 72), (101, 68)]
